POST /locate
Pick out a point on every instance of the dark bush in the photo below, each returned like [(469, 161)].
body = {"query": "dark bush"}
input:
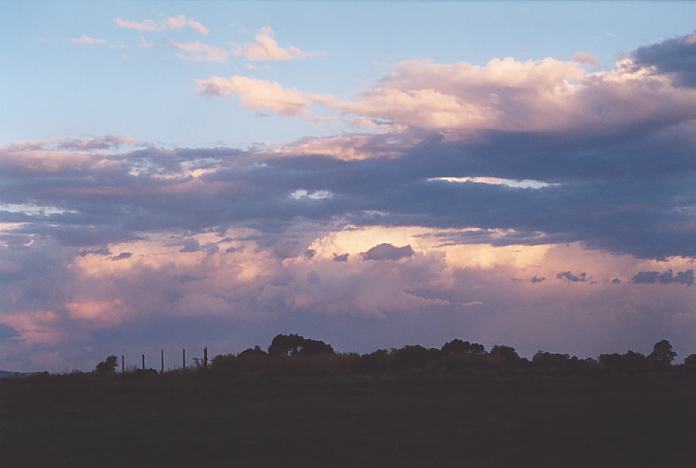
[(107, 366)]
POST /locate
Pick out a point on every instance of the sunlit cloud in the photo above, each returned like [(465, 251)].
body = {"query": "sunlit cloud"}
[(462, 99), (200, 52), (476, 198), (265, 48), (169, 23), (88, 40), (261, 94)]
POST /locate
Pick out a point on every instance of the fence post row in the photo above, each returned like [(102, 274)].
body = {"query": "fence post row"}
[(183, 360)]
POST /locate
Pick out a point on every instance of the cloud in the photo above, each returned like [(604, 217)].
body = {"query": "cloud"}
[(675, 57), (585, 58), (571, 277), (464, 100), (260, 94), (143, 43), (266, 49), (200, 52), (219, 237), (651, 277), (34, 327), (537, 279), (96, 41), (191, 245), (387, 252), (121, 256), (96, 143), (167, 24), (88, 40)]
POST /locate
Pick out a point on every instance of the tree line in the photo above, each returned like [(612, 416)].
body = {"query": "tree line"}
[(294, 354)]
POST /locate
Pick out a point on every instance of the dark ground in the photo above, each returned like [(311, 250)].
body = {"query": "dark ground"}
[(491, 419)]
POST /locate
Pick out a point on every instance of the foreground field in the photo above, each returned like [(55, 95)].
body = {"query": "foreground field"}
[(488, 419)]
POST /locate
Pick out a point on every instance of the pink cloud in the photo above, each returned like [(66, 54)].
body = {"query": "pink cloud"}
[(200, 52), (88, 40), (261, 94), (461, 99), (35, 327), (266, 49), (169, 23)]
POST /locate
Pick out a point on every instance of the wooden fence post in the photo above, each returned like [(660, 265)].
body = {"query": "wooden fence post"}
[(205, 357), (183, 358), (143, 356), (162, 361), (123, 365)]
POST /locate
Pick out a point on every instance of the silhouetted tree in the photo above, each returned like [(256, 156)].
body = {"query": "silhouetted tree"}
[(503, 356), (411, 356), (377, 361), (555, 361), (690, 361), (107, 366), (551, 360), (285, 345), (457, 346), (256, 351), (662, 355), (628, 361), (313, 347)]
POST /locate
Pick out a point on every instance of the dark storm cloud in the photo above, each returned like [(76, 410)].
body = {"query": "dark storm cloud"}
[(340, 258), (674, 56), (652, 277), (625, 189), (630, 196), (121, 256), (572, 277), (387, 252)]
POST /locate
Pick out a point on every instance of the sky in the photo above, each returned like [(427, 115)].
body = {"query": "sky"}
[(371, 174)]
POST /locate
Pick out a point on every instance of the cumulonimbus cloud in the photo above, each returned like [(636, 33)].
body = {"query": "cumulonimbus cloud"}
[(226, 234)]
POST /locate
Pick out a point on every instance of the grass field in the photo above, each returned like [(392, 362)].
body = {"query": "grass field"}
[(486, 419)]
